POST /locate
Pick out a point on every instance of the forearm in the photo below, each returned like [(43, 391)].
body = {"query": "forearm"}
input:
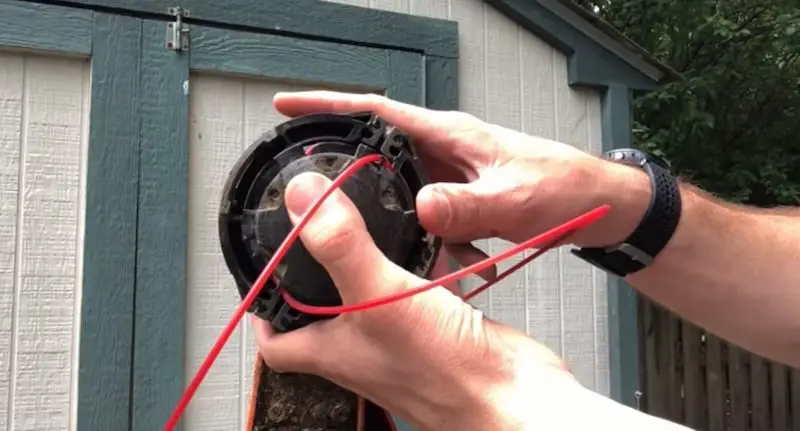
[(533, 392), (554, 401), (578, 408), (731, 270)]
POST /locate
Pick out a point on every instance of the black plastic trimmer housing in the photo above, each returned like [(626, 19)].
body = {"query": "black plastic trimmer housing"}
[(253, 220)]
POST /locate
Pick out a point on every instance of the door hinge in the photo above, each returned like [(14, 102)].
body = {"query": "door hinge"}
[(178, 30)]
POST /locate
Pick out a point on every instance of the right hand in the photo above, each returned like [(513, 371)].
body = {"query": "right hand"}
[(431, 358), (490, 181)]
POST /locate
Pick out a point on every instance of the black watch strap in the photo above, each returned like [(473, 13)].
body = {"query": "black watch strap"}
[(656, 228)]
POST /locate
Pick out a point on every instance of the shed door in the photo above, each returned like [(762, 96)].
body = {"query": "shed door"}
[(223, 87)]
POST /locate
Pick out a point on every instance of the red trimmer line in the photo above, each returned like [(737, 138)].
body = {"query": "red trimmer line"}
[(543, 242)]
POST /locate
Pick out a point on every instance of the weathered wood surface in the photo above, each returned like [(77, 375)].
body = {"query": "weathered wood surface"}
[(693, 378), (291, 402)]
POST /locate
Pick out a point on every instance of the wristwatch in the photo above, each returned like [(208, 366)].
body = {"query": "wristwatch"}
[(655, 230)]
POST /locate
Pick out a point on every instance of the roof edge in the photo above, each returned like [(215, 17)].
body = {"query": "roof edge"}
[(604, 55), (620, 38)]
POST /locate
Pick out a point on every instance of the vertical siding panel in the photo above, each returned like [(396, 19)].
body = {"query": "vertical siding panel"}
[(537, 87), (431, 8), (79, 245), (49, 146), (402, 6), (226, 115), (472, 93), (504, 108), (215, 142), (11, 83), (259, 116), (576, 288), (594, 122), (602, 370), (538, 104), (472, 55), (559, 62)]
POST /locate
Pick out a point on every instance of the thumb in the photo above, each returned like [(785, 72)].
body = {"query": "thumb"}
[(337, 237), (459, 211)]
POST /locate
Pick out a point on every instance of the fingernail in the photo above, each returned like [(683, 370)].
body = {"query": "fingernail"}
[(439, 199), (431, 194), (303, 190)]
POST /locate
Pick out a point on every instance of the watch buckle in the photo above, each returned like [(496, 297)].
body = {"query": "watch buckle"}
[(633, 252)]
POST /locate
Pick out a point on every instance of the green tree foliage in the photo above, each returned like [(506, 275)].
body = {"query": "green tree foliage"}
[(733, 124)]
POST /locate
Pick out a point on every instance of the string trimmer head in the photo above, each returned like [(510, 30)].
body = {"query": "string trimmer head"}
[(253, 220)]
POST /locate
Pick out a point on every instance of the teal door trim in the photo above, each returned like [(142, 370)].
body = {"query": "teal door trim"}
[(160, 304), (310, 19), (240, 52), (110, 239), (159, 368), (68, 31), (106, 322), (623, 311)]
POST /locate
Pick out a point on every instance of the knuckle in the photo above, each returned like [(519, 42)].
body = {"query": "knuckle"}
[(274, 362), (330, 245)]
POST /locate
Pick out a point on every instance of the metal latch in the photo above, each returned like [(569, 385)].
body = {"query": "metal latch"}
[(638, 396), (178, 31)]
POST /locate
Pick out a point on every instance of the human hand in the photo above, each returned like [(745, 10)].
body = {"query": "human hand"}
[(490, 181), (430, 358)]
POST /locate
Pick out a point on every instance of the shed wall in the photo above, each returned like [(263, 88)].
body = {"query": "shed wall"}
[(507, 76), (510, 77), (44, 107)]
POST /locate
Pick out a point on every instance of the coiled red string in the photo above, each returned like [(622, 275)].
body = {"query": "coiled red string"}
[(543, 242)]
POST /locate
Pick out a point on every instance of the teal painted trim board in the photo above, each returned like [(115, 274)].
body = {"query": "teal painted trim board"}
[(308, 19), (441, 83), (160, 306), (406, 75), (239, 52), (40, 27), (623, 316), (110, 239)]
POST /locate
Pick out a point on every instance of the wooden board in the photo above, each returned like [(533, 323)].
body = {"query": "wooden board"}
[(698, 380), (290, 402)]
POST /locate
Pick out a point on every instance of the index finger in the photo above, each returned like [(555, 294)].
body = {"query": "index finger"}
[(421, 124), (416, 121)]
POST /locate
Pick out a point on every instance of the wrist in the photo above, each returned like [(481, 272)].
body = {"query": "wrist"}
[(627, 189)]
